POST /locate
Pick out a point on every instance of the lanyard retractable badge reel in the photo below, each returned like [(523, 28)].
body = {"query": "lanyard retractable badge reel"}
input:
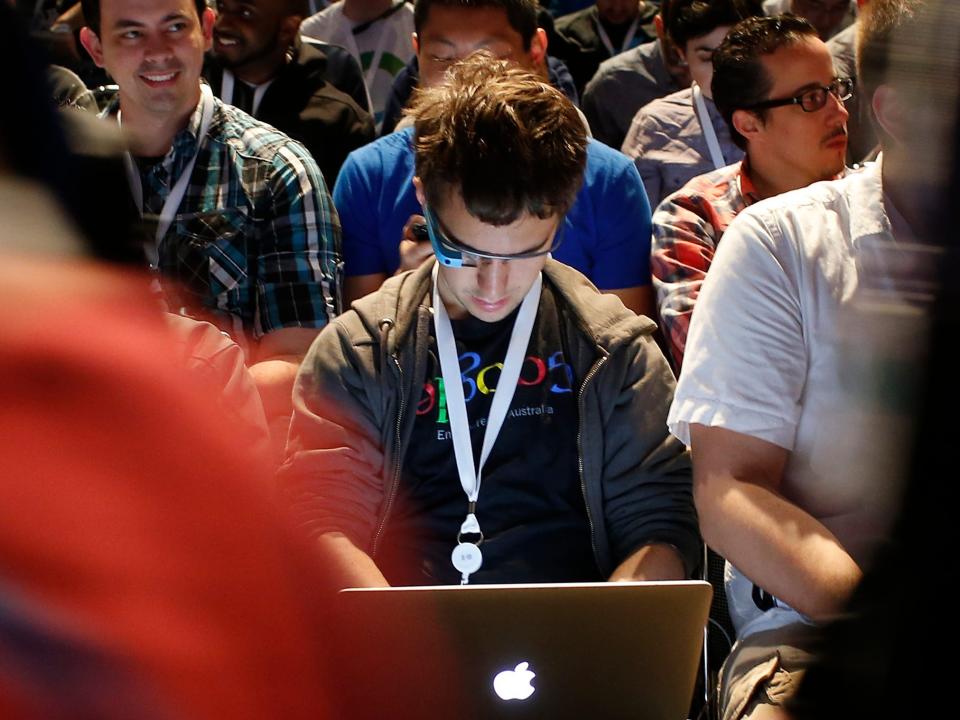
[(706, 125), (177, 192), (466, 557)]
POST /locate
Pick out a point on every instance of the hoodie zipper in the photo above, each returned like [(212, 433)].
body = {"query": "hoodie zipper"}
[(395, 483), (583, 481)]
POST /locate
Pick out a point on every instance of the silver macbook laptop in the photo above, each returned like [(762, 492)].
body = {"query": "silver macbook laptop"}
[(591, 650)]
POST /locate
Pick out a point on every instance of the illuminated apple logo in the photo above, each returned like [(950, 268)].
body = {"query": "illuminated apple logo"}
[(514, 684)]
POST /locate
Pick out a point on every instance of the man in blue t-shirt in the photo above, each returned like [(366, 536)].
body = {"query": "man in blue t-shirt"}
[(606, 232)]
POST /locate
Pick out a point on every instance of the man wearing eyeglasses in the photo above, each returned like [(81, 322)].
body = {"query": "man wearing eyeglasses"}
[(490, 417), (774, 84), (779, 397)]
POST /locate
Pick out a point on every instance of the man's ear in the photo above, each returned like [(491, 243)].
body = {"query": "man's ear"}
[(747, 123), (418, 188), (658, 26), (415, 42), (91, 43), (207, 21), (538, 47), (889, 112)]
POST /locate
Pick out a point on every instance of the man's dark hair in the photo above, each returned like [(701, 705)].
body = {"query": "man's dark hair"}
[(739, 77), (509, 142), (878, 24), (688, 19), (91, 12), (521, 14)]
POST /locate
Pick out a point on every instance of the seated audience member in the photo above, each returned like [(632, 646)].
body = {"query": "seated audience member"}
[(863, 139), (144, 571), (260, 65), (605, 232), (779, 438), (682, 135), (605, 29), (380, 461), (407, 80), (828, 16), (246, 234), (376, 32), (775, 84), (626, 82)]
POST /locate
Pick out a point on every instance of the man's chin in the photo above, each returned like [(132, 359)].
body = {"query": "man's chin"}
[(491, 311)]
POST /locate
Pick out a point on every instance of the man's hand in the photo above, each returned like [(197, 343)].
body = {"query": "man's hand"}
[(743, 516), (413, 249)]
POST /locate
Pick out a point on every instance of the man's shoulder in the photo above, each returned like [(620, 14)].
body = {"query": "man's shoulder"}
[(578, 25), (633, 65), (669, 109), (601, 317), (385, 156), (821, 199), (602, 158), (324, 21), (251, 138), (708, 185)]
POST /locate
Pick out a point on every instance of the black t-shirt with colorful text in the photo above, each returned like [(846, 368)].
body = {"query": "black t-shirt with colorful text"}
[(531, 506)]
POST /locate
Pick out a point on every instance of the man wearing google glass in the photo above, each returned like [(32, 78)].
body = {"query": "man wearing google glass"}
[(490, 416)]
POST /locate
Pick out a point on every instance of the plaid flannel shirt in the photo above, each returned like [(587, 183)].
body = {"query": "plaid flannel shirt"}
[(687, 227), (255, 245)]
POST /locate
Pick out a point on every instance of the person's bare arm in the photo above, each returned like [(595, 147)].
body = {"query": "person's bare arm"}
[(744, 517), (640, 299), (349, 566), (277, 359), (651, 562)]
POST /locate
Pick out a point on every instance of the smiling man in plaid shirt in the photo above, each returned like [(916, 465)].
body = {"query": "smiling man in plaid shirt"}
[(247, 235), (775, 85)]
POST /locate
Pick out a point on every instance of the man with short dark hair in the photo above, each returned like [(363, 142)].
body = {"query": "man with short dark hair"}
[(677, 137), (828, 16), (601, 31), (246, 235), (605, 231), (626, 82), (786, 477), (495, 346), (260, 65), (376, 32), (775, 85)]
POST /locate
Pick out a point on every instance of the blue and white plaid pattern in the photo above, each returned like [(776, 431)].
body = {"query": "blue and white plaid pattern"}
[(256, 237)]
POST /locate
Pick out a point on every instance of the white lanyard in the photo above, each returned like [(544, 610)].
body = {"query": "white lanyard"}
[(706, 125), (605, 39), (226, 91), (172, 203), (466, 557)]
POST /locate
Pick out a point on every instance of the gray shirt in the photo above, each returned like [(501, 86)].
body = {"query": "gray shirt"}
[(666, 141), (621, 86)]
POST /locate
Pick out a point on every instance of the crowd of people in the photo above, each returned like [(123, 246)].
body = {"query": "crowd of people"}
[(307, 296)]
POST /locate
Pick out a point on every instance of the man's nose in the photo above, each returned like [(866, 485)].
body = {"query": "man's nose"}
[(492, 278), (837, 106), (158, 47)]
